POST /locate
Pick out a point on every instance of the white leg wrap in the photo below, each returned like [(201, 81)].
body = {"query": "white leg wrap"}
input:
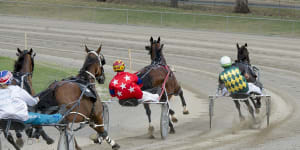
[(110, 141)]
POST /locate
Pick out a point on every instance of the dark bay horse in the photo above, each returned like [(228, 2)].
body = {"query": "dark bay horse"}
[(67, 94), (243, 62), (22, 76), (154, 75)]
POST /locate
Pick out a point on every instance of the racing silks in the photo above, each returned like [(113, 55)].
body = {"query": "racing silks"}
[(233, 80)]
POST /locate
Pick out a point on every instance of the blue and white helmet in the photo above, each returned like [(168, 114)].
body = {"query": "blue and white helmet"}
[(5, 77)]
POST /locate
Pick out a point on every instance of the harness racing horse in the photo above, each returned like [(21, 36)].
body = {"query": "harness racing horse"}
[(243, 63), (76, 97), (22, 74), (154, 75)]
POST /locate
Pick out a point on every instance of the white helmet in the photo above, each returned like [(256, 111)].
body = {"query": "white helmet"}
[(225, 61)]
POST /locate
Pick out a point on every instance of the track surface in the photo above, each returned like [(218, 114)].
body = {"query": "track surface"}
[(195, 55)]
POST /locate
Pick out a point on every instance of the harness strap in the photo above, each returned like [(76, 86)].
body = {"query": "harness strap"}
[(165, 81)]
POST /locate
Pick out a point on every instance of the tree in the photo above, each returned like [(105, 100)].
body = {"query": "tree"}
[(241, 6), (174, 3)]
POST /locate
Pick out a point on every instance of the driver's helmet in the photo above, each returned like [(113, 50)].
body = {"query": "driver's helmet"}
[(225, 61), (5, 77), (119, 66)]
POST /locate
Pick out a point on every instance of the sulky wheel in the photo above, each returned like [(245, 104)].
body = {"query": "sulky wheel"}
[(105, 114), (164, 121)]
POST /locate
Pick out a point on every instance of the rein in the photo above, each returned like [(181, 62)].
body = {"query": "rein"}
[(19, 77), (165, 81)]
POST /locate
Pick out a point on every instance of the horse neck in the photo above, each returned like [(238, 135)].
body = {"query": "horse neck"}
[(159, 60), (27, 65), (27, 68), (87, 75)]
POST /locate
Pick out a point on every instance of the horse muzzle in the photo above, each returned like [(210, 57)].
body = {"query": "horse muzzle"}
[(100, 79)]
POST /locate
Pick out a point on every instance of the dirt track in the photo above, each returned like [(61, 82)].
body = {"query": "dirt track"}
[(195, 55)]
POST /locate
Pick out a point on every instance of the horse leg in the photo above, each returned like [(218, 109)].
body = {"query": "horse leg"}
[(256, 105), (19, 140), (238, 106), (102, 134), (172, 130), (41, 132), (185, 111), (172, 113), (76, 145), (151, 127), (250, 109), (11, 141)]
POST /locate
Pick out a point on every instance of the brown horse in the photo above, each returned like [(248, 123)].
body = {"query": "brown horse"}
[(23, 71), (22, 76), (70, 97), (154, 75)]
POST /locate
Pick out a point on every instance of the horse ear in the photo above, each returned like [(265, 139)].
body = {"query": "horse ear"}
[(30, 51), (151, 40), (148, 48), (237, 46), (99, 49), (19, 50), (246, 45), (158, 40), (86, 48), (161, 46)]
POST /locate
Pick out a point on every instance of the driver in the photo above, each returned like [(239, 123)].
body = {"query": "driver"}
[(125, 85), (14, 101), (231, 80)]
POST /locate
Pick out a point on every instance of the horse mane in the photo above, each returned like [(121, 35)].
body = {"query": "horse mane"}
[(19, 63)]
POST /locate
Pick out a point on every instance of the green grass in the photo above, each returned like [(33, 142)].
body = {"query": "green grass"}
[(50, 9), (43, 75)]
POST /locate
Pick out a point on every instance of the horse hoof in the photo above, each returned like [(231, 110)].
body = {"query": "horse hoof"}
[(94, 137), (151, 129), (242, 118), (20, 142), (50, 141), (174, 119), (116, 147), (185, 112), (78, 148), (172, 131), (257, 110), (151, 137)]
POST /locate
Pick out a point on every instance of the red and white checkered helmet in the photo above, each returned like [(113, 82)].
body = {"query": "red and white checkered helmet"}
[(5, 77)]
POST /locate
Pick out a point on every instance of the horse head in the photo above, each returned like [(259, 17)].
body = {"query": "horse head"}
[(155, 51), (93, 66), (23, 69), (242, 53), (25, 61)]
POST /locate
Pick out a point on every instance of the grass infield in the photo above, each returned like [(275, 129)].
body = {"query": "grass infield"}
[(204, 17)]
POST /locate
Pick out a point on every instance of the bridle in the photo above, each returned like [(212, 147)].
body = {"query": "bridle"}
[(101, 77)]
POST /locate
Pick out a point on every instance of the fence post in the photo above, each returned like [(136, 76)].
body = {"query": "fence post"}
[(25, 40), (129, 53), (127, 16), (293, 28), (161, 17), (227, 27)]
